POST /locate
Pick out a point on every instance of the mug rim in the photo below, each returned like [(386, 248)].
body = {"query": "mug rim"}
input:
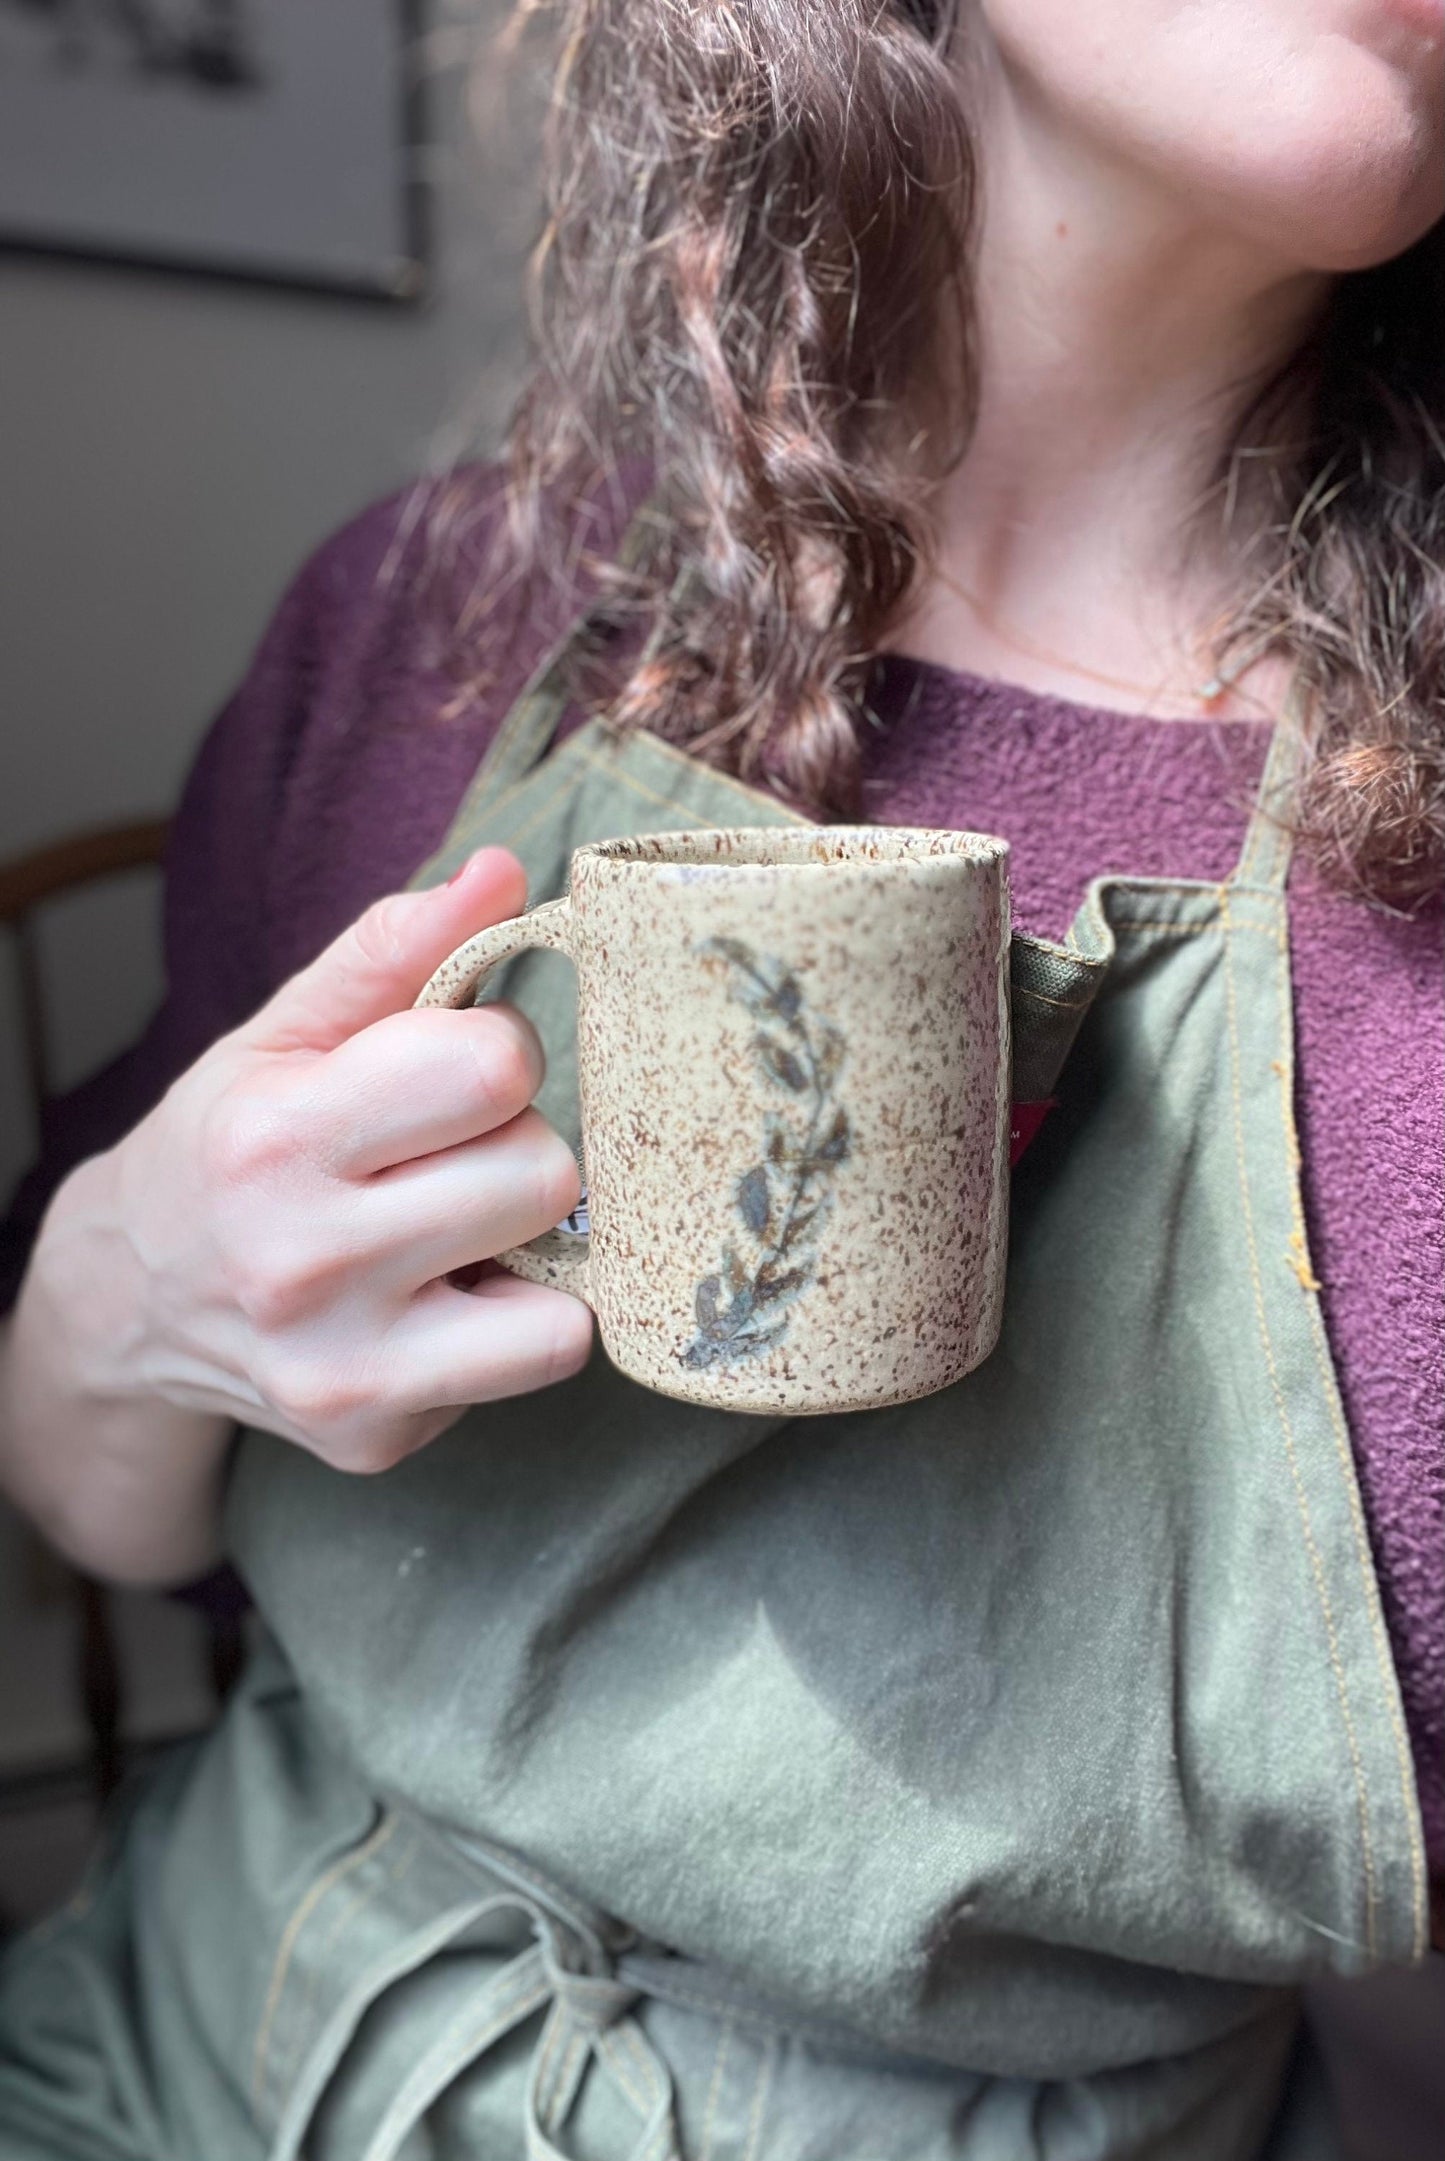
[(707, 852)]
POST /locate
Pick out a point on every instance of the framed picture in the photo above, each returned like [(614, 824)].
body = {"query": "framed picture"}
[(270, 139)]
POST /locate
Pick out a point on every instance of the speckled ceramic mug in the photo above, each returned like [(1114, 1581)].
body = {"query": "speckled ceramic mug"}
[(794, 1063)]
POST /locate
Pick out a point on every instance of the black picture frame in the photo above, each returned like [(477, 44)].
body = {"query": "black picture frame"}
[(400, 274)]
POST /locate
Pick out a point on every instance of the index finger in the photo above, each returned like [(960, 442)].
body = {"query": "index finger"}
[(415, 1083), (380, 962)]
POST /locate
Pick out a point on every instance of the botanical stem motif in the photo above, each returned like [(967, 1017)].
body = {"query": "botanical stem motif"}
[(782, 1202)]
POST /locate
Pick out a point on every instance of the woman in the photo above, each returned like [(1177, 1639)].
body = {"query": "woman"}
[(1028, 412)]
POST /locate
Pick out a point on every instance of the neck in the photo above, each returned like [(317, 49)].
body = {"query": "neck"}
[(1119, 340)]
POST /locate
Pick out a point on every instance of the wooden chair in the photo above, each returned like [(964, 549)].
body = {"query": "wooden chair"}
[(27, 884)]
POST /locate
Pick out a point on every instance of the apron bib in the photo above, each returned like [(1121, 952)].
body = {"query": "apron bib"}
[(967, 1780)]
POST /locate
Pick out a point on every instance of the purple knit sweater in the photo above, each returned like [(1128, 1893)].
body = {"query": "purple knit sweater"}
[(331, 774)]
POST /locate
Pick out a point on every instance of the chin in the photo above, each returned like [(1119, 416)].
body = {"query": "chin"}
[(1314, 127), (1348, 172)]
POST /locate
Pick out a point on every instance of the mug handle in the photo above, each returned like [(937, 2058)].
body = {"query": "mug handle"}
[(560, 1258)]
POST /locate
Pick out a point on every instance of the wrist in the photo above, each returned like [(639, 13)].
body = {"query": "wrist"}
[(123, 1481), (82, 1298)]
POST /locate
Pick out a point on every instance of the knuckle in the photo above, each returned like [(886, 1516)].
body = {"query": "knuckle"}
[(364, 1455), (378, 933), (244, 1139), (331, 1404), (291, 1281), (390, 1444), (254, 1291)]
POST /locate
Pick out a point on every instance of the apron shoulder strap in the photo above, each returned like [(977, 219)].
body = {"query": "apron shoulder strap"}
[(527, 730), (1269, 841)]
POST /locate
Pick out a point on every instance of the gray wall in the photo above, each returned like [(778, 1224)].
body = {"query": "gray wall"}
[(170, 451)]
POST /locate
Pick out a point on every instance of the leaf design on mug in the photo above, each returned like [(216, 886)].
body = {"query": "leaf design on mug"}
[(754, 1201), (779, 1061), (782, 1200)]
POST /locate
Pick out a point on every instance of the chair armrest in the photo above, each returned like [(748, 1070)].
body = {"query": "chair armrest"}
[(29, 880)]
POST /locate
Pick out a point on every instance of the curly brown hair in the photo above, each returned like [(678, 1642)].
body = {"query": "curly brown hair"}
[(753, 285)]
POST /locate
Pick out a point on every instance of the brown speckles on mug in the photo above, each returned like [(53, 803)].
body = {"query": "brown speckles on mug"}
[(793, 1055)]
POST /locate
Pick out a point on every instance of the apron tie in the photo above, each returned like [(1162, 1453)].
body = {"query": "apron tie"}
[(565, 1970), (589, 2023)]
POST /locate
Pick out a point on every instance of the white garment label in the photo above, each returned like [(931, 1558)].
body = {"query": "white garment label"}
[(579, 1223)]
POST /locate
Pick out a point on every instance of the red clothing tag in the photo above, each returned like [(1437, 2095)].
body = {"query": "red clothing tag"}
[(1024, 1122)]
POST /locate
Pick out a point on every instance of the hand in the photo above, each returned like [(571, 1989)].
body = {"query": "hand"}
[(278, 1234)]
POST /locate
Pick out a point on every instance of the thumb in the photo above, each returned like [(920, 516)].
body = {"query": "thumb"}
[(381, 962)]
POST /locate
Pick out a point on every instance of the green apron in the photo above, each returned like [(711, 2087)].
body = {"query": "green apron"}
[(973, 1780)]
